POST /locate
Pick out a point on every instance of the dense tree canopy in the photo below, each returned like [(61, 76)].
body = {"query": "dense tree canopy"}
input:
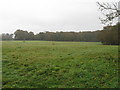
[(6, 36), (23, 35), (109, 35), (57, 36)]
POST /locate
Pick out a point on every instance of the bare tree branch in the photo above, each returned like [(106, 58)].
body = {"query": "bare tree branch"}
[(110, 11)]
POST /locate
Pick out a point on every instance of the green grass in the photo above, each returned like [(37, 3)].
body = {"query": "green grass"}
[(45, 64)]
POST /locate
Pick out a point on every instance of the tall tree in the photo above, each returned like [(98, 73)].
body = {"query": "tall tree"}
[(21, 35), (111, 12)]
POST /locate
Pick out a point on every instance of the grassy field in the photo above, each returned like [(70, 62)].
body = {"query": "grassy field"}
[(45, 64)]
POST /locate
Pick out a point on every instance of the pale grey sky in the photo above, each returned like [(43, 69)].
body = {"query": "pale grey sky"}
[(49, 15)]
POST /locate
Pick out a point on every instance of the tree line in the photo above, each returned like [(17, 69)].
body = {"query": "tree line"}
[(6, 36), (57, 36), (108, 36)]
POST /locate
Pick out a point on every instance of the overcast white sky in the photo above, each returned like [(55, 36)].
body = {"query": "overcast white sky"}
[(49, 15)]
